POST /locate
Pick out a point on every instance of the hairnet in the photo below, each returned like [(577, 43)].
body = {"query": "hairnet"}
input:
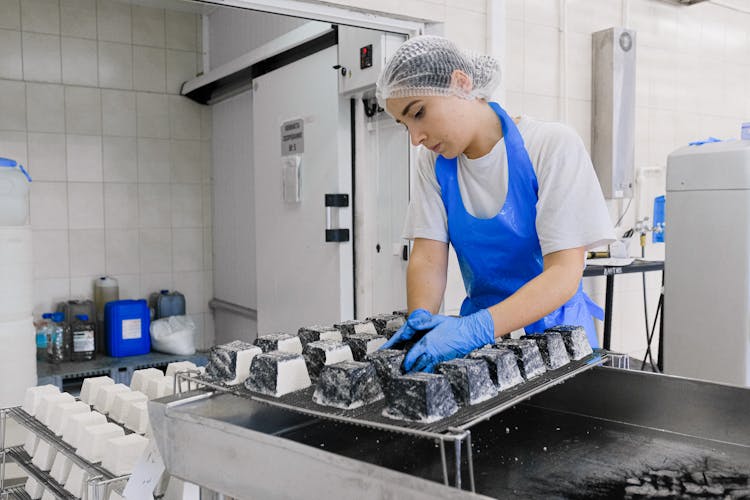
[(423, 66)]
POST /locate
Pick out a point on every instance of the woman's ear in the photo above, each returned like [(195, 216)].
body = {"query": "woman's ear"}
[(461, 81)]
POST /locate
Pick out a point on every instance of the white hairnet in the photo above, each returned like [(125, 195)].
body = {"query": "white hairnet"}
[(423, 65)]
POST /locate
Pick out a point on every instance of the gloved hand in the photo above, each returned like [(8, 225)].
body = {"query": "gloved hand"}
[(419, 320), (450, 338)]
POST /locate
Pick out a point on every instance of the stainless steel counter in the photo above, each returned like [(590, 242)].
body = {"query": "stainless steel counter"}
[(585, 438)]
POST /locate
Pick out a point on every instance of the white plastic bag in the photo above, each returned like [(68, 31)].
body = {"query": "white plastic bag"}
[(173, 335)]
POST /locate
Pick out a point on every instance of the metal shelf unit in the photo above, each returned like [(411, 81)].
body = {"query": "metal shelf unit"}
[(100, 481)]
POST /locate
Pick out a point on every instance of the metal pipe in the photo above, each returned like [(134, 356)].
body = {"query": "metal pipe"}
[(471, 461), (442, 459), (233, 308), (457, 449)]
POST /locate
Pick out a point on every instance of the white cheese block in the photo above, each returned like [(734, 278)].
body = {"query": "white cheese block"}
[(122, 402), (140, 377), (160, 387), (116, 496), (151, 385), (244, 360), (61, 468), (105, 396), (92, 444), (30, 443), (33, 395), (48, 403), (77, 423), (34, 488), (293, 344), (76, 482), (63, 413), (137, 419), (91, 386), (44, 456), (48, 495), (179, 366), (122, 453)]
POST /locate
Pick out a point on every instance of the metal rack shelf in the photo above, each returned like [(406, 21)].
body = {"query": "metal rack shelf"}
[(99, 483), (15, 493), (23, 460)]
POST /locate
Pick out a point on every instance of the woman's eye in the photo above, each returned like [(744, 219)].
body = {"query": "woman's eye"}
[(419, 114)]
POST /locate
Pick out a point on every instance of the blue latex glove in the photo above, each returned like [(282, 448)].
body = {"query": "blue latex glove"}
[(451, 338), (419, 320)]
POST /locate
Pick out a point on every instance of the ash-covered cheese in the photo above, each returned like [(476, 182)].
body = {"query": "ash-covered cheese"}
[(355, 326), (363, 344), (387, 324), (230, 363), (387, 363), (552, 347), (421, 397), (319, 353), (502, 364), (314, 333), (469, 379), (404, 313), (527, 353), (277, 373), (279, 342), (575, 340), (347, 385)]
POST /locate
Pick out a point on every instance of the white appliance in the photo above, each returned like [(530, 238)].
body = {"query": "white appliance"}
[(707, 263)]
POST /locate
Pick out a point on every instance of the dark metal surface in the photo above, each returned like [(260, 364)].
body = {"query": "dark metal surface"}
[(582, 439)]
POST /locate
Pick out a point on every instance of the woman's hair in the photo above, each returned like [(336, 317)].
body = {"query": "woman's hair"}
[(424, 65)]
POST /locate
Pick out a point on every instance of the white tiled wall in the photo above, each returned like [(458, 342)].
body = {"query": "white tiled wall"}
[(89, 101), (693, 74)]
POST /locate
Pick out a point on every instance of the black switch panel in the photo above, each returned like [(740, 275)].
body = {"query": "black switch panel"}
[(365, 57)]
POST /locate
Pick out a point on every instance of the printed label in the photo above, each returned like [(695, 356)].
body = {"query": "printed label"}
[(131, 329), (83, 341)]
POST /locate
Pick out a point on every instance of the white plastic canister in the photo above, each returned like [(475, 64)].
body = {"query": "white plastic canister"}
[(17, 361), (14, 193), (16, 272)]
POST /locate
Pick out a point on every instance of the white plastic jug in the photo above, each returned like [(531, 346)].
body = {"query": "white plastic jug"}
[(14, 193)]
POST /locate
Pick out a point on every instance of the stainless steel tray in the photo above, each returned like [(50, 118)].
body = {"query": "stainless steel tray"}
[(580, 439), (371, 415)]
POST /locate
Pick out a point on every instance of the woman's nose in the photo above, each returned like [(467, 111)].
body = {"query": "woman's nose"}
[(417, 137)]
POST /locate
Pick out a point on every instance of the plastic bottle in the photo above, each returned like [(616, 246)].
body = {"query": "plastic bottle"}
[(14, 193), (106, 290), (42, 336), (56, 347), (83, 343)]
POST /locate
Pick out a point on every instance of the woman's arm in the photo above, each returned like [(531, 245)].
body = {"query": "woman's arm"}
[(426, 275), (556, 284)]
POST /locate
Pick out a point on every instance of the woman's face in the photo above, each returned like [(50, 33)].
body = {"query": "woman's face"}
[(439, 123)]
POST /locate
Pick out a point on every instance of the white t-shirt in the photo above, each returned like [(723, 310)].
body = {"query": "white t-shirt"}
[(571, 211)]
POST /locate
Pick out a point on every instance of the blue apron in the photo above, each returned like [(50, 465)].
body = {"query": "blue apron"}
[(499, 255)]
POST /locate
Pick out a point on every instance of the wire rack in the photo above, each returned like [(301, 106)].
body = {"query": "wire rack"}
[(100, 482), (455, 429)]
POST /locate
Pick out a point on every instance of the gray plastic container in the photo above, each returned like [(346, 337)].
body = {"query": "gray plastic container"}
[(164, 304)]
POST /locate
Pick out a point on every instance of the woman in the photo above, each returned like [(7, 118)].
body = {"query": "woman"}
[(518, 200)]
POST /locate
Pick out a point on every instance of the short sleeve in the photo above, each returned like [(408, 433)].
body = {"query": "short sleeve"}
[(571, 211), (426, 217)]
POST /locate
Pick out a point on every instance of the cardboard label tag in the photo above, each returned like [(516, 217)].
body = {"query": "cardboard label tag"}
[(146, 474)]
